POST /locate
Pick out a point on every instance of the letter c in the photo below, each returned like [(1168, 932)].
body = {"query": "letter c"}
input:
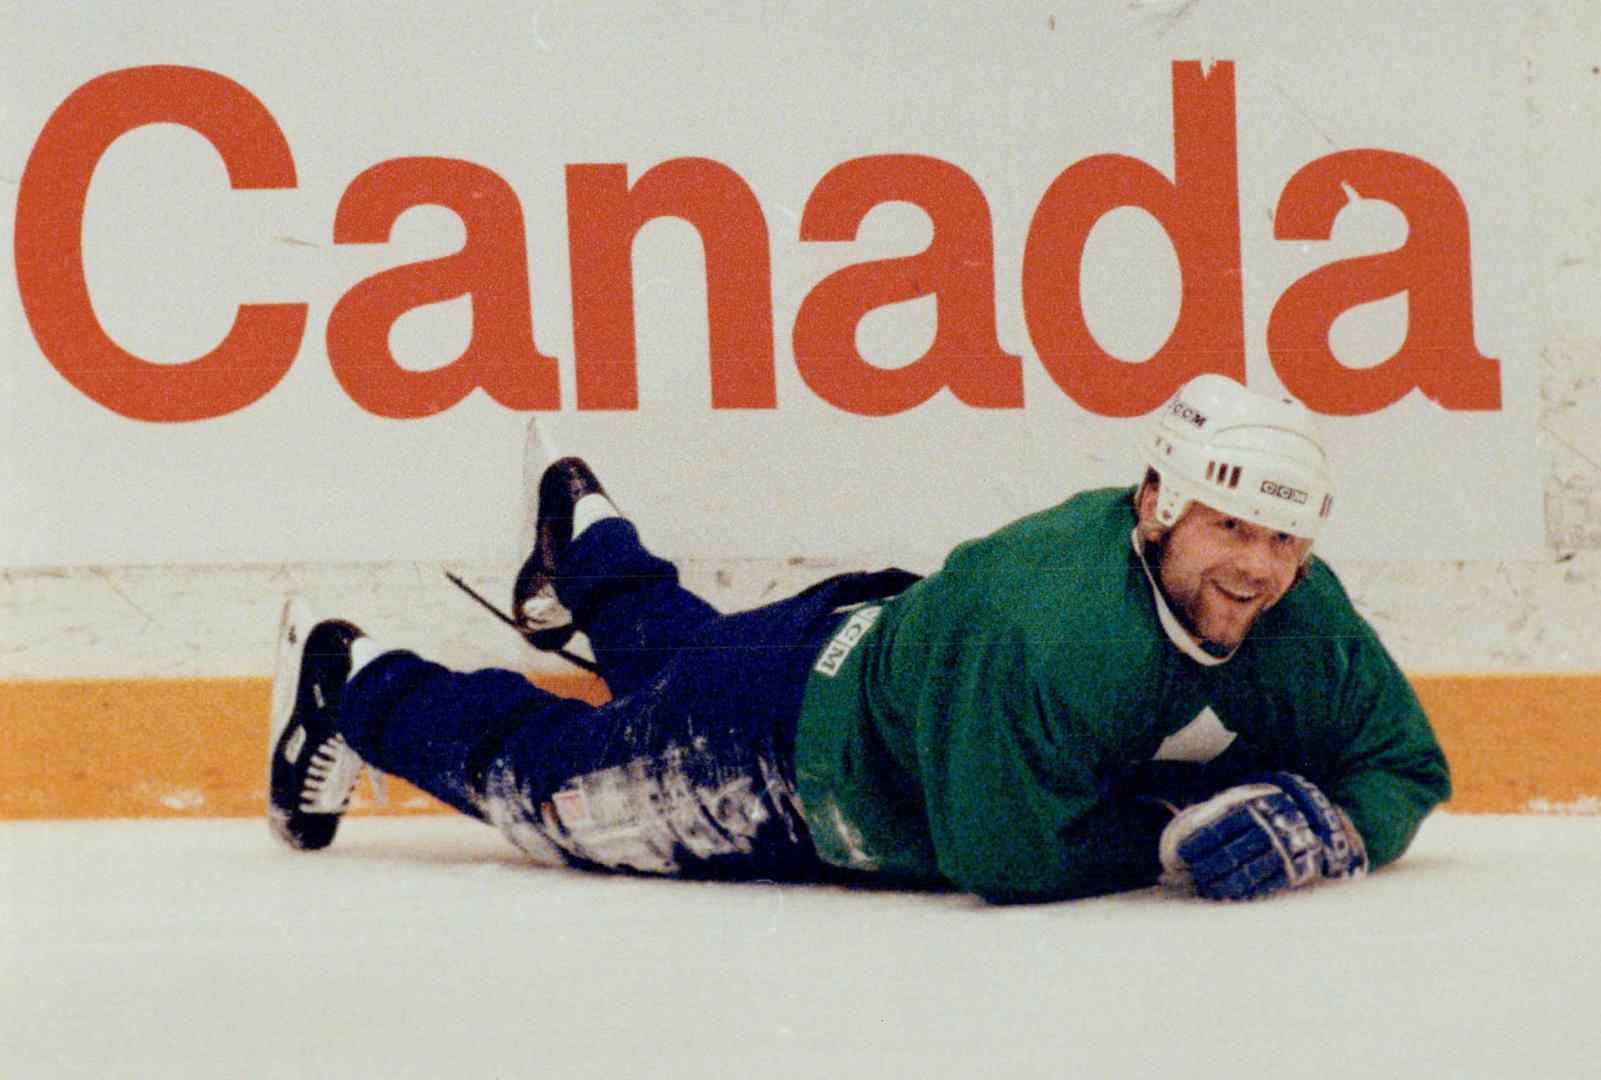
[(264, 339)]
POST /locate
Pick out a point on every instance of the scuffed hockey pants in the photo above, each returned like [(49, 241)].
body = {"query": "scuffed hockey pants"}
[(688, 770)]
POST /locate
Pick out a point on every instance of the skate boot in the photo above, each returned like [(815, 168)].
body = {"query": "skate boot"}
[(544, 622), (312, 771)]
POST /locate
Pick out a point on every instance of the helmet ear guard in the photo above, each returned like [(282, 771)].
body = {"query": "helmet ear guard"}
[(1172, 500), (1248, 455)]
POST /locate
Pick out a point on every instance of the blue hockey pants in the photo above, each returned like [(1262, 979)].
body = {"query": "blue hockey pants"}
[(688, 770)]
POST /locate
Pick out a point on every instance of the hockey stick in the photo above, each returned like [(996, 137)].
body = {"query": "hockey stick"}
[(565, 654)]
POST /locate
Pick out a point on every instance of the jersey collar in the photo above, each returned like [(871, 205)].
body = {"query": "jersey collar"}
[(1176, 633)]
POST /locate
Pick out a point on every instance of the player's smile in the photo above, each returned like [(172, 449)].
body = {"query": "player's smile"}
[(1245, 596), (1226, 615)]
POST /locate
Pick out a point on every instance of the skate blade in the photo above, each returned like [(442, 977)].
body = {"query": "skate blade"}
[(293, 627)]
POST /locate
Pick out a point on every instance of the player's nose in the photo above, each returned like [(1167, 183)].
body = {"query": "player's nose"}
[(1258, 564)]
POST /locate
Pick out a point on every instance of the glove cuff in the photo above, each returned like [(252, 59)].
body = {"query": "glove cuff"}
[(1344, 853)]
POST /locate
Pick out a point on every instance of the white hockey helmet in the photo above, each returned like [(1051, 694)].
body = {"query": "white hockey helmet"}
[(1252, 456)]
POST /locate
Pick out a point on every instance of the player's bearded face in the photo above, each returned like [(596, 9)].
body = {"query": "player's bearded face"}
[(1221, 573)]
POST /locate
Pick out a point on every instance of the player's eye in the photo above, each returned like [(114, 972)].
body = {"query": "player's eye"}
[(1231, 524)]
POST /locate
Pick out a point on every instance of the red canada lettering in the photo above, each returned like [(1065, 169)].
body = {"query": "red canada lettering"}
[(1198, 208)]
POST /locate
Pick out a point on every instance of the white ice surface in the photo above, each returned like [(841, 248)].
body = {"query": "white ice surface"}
[(427, 947)]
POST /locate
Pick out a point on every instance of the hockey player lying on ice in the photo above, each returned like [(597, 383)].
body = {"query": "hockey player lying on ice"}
[(1137, 684)]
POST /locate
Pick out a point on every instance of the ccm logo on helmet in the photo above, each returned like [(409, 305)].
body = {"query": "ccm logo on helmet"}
[(1295, 495), (1188, 414)]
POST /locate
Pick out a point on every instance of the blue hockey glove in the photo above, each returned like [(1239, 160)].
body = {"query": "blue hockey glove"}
[(1260, 838)]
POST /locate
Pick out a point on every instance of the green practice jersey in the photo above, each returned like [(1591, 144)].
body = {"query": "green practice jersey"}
[(981, 728)]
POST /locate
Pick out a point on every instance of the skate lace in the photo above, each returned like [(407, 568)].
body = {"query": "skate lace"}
[(331, 776)]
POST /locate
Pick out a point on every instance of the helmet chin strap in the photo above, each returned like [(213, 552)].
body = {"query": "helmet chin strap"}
[(1176, 631)]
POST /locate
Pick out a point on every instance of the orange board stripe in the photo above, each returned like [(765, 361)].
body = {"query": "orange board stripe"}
[(1518, 743), (128, 748)]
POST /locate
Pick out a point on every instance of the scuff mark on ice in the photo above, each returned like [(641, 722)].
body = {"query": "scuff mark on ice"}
[(1585, 805)]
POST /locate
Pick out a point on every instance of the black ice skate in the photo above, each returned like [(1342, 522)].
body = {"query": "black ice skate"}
[(540, 616), (312, 771)]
